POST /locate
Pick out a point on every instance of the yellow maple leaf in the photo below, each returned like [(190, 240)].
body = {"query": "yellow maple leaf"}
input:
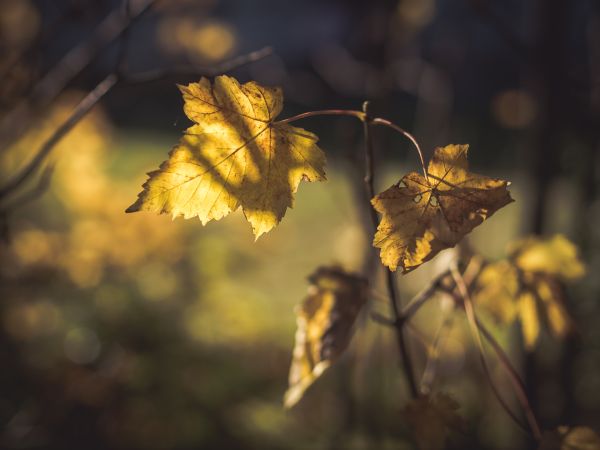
[(234, 155), (432, 418), (325, 322), (570, 438), (422, 216)]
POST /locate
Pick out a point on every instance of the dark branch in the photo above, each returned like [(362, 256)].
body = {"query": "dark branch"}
[(390, 282)]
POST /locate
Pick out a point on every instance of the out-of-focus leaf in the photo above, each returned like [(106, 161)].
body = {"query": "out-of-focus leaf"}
[(422, 216), (431, 418), (555, 256), (566, 438), (498, 286), (325, 322), (530, 320), (235, 155), (528, 286)]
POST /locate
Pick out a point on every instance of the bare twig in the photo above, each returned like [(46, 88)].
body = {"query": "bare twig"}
[(84, 106), (391, 285), (513, 376), (51, 85), (410, 137), (27, 197), (194, 70), (419, 300), (124, 41), (383, 320), (434, 354), (472, 319)]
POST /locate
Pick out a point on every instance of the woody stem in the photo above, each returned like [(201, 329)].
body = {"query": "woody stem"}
[(398, 321)]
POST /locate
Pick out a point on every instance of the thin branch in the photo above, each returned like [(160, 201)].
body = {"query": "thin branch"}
[(53, 83), (84, 106), (369, 178), (434, 354), (383, 320), (410, 137), (421, 298), (36, 192), (391, 285), (472, 320), (193, 70), (513, 376)]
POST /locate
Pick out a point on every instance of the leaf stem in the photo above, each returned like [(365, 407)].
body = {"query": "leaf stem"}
[(361, 115), (410, 137), (419, 300), (325, 112), (398, 321)]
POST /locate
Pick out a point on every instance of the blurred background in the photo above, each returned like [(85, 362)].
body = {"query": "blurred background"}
[(135, 331)]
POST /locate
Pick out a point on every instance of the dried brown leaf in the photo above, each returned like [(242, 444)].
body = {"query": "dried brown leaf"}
[(325, 322)]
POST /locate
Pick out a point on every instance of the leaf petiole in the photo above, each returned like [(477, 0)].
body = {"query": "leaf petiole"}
[(410, 137), (325, 112), (363, 117)]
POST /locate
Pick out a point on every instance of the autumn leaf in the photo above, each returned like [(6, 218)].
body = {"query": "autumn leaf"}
[(234, 155), (423, 216), (432, 418), (496, 289), (529, 286), (556, 256), (325, 322), (567, 438)]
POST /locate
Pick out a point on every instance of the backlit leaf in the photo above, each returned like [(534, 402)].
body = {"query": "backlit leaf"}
[(432, 418), (325, 322), (422, 216), (234, 155)]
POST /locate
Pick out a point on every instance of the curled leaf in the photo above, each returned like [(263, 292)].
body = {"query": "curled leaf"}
[(422, 216), (431, 418), (234, 155), (325, 321)]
